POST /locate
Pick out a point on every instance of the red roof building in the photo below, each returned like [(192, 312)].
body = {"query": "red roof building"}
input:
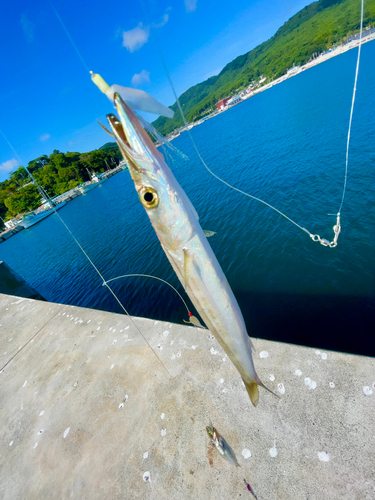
[(221, 104)]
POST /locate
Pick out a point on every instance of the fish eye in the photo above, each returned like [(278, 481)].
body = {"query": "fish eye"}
[(148, 197)]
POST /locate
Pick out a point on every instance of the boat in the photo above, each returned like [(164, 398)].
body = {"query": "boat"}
[(89, 185), (123, 165), (33, 218)]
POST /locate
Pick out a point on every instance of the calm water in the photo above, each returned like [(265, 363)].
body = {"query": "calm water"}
[(287, 146)]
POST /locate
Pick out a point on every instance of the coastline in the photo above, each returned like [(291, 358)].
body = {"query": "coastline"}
[(320, 59)]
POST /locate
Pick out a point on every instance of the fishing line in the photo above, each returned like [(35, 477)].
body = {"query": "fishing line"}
[(70, 38), (161, 139), (351, 110), (87, 257), (67, 228), (314, 237), (149, 276), (192, 321), (27, 170)]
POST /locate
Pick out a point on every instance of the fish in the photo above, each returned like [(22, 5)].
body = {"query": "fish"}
[(221, 445), (176, 224)]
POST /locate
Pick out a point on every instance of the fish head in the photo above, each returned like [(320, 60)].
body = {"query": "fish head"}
[(214, 435), (158, 191), (210, 432)]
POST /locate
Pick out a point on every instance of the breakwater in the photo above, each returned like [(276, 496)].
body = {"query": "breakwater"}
[(100, 405)]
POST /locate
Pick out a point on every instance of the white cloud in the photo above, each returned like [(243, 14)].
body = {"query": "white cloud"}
[(164, 20), (28, 28), (9, 165), (190, 5), (135, 39), (45, 137), (142, 77)]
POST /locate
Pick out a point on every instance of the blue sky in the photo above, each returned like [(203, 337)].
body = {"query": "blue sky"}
[(47, 99)]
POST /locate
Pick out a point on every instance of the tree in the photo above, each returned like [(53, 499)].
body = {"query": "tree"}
[(24, 200), (20, 176)]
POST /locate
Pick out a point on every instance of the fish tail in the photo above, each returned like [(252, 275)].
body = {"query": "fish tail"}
[(269, 390), (253, 392)]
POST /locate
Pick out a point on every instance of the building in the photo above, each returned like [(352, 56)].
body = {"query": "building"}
[(234, 100), (11, 224), (221, 104), (293, 70)]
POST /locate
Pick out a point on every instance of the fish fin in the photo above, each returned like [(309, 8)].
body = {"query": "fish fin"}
[(269, 390), (252, 347), (252, 390)]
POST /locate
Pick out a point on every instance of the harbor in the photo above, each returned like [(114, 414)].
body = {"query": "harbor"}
[(49, 207), (264, 84), (97, 405), (201, 326)]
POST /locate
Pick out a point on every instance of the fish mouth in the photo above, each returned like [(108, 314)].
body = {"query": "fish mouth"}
[(133, 141)]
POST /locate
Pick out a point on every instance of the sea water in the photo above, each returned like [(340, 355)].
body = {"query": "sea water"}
[(287, 146)]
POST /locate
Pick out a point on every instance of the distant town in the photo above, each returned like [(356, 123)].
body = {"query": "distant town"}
[(262, 84)]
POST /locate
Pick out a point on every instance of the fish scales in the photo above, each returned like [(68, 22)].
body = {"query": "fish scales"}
[(176, 224)]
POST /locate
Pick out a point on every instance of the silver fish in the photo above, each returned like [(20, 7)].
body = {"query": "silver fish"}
[(175, 222), (222, 446)]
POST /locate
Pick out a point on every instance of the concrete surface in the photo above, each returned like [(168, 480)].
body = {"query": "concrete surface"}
[(96, 405)]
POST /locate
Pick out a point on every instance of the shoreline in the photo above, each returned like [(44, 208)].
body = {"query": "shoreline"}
[(320, 59)]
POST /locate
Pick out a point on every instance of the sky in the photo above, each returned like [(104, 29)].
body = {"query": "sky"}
[(47, 98)]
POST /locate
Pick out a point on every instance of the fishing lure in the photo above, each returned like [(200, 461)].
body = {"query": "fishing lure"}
[(136, 99), (249, 488)]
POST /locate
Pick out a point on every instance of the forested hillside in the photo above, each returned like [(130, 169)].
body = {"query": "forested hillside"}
[(313, 30), (56, 173)]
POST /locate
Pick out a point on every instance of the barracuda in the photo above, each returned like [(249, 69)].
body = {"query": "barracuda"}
[(175, 222)]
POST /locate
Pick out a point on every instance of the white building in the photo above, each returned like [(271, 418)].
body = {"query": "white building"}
[(234, 100), (11, 224)]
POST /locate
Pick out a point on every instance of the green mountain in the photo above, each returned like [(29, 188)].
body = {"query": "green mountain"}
[(109, 145), (313, 30), (56, 173)]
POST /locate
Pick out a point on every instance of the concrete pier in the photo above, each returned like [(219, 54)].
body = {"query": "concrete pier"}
[(5, 235), (96, 405)]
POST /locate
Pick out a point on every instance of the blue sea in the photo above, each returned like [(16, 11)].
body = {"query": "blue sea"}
[(287, 146)]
